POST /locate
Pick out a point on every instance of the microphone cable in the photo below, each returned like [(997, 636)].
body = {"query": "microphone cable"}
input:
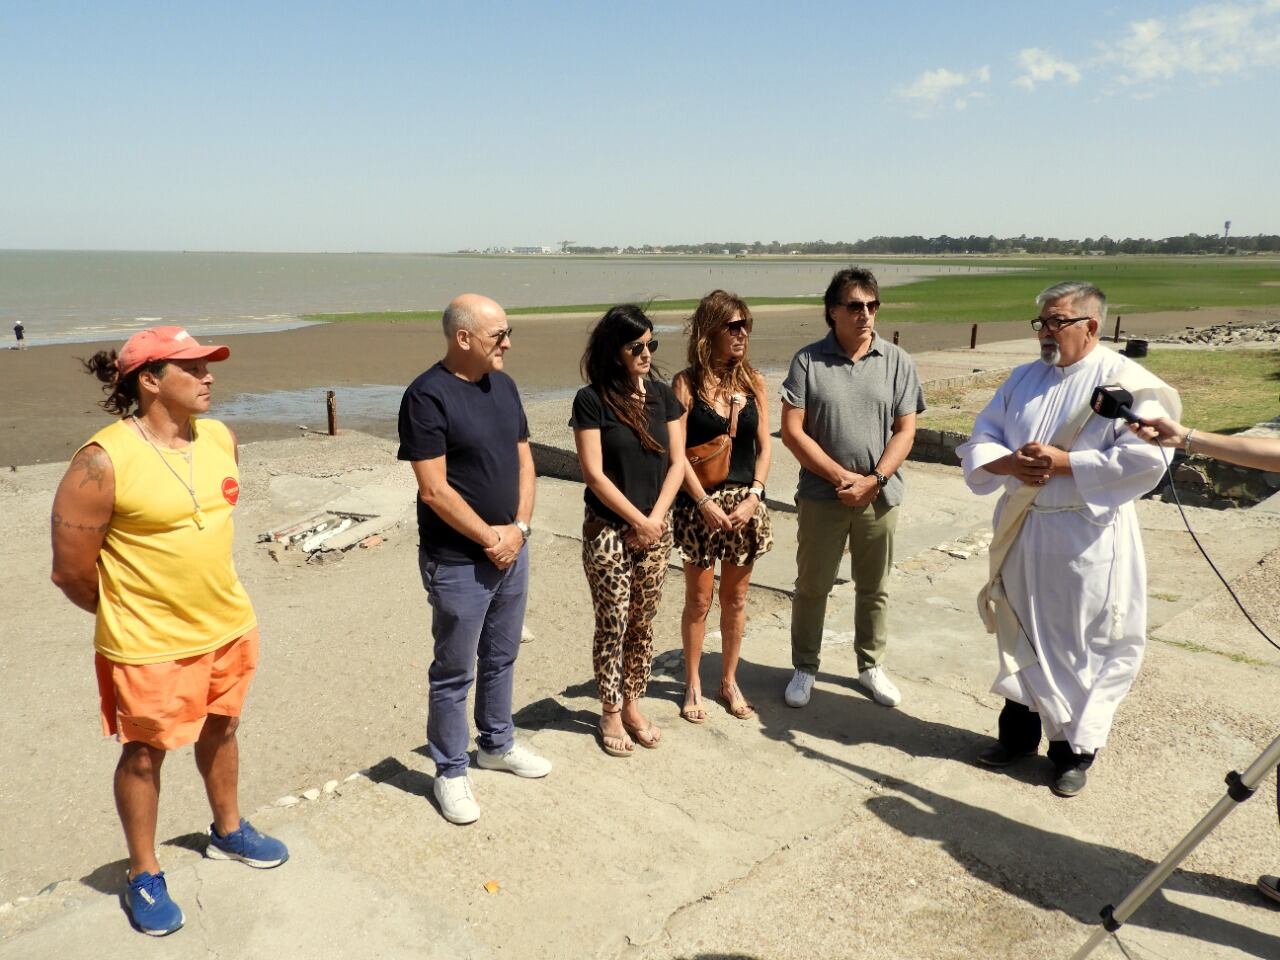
[(1173, 487)]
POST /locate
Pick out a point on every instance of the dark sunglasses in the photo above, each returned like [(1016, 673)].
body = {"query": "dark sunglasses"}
[(857, 306), (738, 327), (500, 335), (637, 348)]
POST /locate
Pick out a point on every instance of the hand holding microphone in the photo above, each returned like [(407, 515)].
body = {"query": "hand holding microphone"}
[(1115, 403)]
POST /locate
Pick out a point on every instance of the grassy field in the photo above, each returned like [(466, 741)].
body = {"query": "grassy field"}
[(1223, 391), (1132, 285)]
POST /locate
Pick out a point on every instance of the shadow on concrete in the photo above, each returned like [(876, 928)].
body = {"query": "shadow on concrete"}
[(996, 849)]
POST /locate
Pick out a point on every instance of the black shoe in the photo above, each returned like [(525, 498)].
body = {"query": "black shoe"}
[(1270, 887), (1070, 782), (998, 755)]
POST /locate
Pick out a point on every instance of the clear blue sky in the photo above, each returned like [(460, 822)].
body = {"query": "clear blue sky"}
[(437, 126)]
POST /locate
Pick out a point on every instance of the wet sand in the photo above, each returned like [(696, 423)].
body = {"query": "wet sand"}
[(48, 406)]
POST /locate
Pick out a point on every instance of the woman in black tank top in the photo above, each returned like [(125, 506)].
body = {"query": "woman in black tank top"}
[(730, 522)]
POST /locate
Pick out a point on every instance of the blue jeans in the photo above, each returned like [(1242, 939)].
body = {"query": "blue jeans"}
[(477, 617)]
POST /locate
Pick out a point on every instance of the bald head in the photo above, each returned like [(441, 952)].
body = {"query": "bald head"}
[(471, 312)]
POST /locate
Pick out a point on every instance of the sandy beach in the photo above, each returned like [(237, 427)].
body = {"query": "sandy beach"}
[(48, 406)]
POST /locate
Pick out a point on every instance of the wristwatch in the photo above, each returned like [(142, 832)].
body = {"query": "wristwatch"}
[(524, 528), (880, 477)]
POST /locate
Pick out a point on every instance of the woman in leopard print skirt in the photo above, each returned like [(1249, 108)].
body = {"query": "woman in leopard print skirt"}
[(630, 440), (729, 523)]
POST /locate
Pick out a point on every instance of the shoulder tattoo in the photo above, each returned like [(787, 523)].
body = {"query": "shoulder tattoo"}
[(93, 463), (58, 521)]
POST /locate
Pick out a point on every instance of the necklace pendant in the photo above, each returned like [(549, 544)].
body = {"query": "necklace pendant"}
[(198, 516)]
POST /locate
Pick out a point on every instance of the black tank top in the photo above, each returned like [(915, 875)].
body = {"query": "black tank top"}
[(705, 424)]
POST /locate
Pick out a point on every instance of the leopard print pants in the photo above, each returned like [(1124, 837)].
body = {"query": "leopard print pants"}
[(626, 587)]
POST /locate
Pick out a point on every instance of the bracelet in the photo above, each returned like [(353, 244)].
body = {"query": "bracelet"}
[(705, 498), (758, 490), (1186, 441)]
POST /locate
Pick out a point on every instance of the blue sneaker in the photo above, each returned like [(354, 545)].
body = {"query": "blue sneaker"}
[(150, 907), (246, 845)]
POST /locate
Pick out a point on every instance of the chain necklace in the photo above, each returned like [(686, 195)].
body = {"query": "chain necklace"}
[(188, 455)]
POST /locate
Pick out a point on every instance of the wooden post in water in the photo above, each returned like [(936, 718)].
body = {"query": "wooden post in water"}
[(1116, 338), (331, 403), (973, 337), (895, 338)]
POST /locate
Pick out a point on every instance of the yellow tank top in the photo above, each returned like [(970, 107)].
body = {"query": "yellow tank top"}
[(167, 586)]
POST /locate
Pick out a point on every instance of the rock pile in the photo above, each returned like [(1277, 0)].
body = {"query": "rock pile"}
[(1224, 334)]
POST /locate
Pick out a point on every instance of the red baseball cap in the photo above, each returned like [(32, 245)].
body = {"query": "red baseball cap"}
[(165, 343)]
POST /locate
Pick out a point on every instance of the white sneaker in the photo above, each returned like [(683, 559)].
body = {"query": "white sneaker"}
[(457, 802), (881, 688), (519, 760), (799, 689)]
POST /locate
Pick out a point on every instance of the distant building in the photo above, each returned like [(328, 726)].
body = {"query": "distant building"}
[(531, 250)]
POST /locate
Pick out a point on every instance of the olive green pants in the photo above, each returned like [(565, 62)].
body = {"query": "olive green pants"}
[(823, 529)]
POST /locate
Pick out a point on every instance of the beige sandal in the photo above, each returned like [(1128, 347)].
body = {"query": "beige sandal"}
[(737, 705), (694, 712), (614, 746)]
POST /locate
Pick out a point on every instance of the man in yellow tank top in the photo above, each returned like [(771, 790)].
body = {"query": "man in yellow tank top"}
[(142, 535)]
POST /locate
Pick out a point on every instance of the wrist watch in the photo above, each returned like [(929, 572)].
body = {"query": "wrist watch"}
[(880, 477), (524, 528)]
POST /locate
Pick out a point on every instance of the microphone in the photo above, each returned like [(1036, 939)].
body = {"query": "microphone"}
[(1114, 402)]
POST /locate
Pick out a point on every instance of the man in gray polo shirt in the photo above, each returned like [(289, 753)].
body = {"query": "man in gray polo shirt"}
[(849, 407)]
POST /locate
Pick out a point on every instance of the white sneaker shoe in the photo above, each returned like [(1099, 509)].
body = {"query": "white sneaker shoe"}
[(799, 689), (881, 688), (457, 802), (519, 760)]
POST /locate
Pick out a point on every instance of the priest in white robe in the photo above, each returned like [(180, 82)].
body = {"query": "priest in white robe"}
[(1067, 596)]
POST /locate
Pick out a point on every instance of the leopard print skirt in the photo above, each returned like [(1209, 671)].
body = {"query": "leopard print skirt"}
[(702, 546), (626, 588)]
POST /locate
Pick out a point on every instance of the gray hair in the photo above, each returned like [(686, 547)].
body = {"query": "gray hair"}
[(1077, 290), (457, 317)]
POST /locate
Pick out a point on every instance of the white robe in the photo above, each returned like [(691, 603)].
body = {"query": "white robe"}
[(1076, 575)]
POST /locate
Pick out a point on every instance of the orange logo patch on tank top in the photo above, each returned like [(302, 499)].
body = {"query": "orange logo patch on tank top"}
[(230, 490)]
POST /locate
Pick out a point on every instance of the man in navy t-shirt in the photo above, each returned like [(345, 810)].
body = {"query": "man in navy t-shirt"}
[(463, 429)]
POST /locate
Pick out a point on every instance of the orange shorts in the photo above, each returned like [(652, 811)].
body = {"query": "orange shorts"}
[(165, 704)]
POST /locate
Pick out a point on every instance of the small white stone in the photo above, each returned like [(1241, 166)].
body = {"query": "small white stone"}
[(355, 776), (330, 786), (311, 794), (289, 801), (958, 554)]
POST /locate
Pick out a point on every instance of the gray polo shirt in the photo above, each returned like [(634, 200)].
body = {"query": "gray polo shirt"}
[(849, 407)]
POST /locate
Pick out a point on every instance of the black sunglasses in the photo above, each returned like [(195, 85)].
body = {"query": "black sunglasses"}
[(737, 327), (857, 306), (637, 348)]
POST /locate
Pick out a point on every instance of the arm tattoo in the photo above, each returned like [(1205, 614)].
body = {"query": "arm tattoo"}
[(57, 520), (94, 462)]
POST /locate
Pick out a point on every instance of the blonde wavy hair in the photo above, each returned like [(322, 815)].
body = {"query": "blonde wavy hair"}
[(715, 310)]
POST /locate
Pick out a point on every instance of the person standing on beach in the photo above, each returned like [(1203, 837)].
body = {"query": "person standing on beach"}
[(1066, 596), (463, 429), (849, 406), (723, 519), (142, 535), (630, 440), (20, 334)]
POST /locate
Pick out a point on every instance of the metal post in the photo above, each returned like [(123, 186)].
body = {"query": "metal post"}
[(895, 338), (331, 403), (973, 337), (1116, 338), (1240, 787)]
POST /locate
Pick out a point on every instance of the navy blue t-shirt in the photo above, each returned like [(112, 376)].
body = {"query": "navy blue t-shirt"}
[(476, 427)]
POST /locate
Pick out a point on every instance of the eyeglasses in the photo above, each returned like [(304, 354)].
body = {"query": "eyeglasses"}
[(738, 328), (1054, 324), (501, 335), (638, 347), (857, 306)]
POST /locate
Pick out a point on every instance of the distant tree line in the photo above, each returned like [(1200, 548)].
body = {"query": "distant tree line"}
[(916, 245)]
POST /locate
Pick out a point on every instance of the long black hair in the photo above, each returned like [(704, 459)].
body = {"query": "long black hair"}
[(602, 367), (122, 393)]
